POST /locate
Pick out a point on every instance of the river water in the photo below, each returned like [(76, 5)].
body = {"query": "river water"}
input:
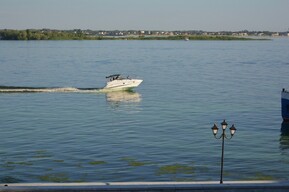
[(159, 132)]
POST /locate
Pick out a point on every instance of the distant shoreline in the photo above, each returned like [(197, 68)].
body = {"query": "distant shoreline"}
[(80, 35)]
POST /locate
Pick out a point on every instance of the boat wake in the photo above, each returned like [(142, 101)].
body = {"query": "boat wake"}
[(15, 89), (115, 83)]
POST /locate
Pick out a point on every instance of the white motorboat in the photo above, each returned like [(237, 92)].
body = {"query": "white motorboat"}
[(117, 82)]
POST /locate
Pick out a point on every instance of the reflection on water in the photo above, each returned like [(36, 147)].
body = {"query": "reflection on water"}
[(117, 98), (284, 139)]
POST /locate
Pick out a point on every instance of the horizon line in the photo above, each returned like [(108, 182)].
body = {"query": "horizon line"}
[(145, 30)]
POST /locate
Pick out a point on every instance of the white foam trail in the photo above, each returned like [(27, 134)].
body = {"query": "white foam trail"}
[(48, 90)]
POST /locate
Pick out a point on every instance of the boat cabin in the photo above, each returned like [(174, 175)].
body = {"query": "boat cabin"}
[(115, 77)]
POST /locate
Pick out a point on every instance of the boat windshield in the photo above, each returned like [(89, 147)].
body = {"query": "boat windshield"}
[(115, 77)]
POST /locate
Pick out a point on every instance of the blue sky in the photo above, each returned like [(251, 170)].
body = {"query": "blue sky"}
[(208, 15)]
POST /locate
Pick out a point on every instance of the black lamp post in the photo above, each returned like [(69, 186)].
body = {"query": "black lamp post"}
[(223, 136)]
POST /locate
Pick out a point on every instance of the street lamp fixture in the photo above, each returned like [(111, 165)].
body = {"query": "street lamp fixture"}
[(223, 136)]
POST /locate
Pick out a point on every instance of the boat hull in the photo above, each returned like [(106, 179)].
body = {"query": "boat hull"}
[(124, 84), (285, 105)]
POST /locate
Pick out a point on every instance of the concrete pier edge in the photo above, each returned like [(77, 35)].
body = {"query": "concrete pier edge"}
[(201, 186)]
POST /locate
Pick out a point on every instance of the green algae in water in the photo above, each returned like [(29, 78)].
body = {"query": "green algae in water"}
[(58, 160), (40, 151), (261, 176), (175, 169), (41, 154), (56, 177), (19, 163), (134, 163), (11, 165), (97, 162)]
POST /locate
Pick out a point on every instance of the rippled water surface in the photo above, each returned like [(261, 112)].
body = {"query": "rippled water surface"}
[(159, 132)]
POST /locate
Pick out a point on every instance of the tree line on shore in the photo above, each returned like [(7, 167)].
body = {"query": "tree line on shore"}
[(40, 35), (79, 35)]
